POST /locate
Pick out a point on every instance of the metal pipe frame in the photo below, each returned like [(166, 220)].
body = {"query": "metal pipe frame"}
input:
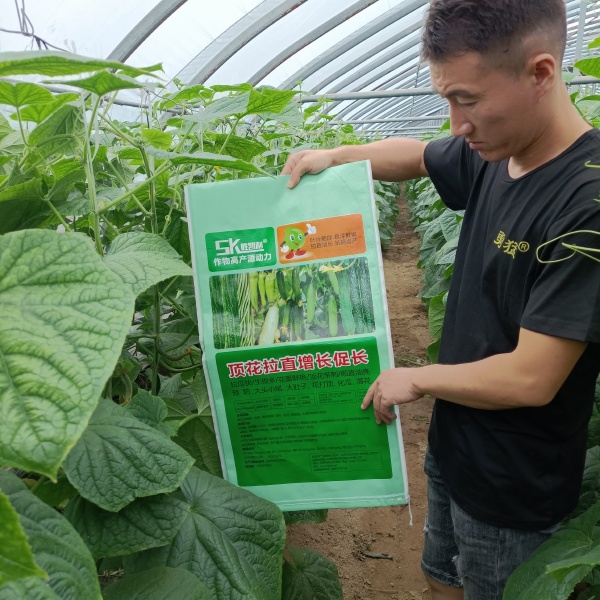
[(403, 76), (377, 105), (145, 26), (353, 40), (220, 50), (307, 39), (400, 78), (369, 67), (400, 120)]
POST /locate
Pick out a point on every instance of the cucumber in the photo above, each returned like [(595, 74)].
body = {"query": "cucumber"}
[(269, 328)]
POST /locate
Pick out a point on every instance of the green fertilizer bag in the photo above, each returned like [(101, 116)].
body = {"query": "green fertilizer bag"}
[(294, 329)]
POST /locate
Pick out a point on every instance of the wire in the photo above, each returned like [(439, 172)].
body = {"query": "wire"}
[(28, 30)]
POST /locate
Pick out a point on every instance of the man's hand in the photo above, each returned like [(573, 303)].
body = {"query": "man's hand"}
[(306, 161), (391, 387)]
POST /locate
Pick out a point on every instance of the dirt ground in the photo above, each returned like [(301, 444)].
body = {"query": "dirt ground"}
[(348, 533)]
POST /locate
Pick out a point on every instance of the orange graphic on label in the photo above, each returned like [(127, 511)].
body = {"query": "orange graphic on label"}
[(323, 238)]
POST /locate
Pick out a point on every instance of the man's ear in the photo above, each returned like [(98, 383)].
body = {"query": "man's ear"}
[(544, 70)]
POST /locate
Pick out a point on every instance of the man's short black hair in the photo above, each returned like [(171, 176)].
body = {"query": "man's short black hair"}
[(497, 29)]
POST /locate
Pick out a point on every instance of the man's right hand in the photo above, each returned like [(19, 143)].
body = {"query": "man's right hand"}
[(307, 161)]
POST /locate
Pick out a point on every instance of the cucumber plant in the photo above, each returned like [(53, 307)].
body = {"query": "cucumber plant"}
[(111, 482)]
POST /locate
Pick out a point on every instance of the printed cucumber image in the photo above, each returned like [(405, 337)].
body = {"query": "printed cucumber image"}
[(292, 304)]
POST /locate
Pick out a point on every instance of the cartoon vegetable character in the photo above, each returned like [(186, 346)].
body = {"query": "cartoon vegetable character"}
[(293, 240)]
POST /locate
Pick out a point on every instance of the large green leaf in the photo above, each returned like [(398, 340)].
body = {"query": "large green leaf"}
[(220, 108), (157, 138), (22, 94), (159, 583), (119, 458), (205, 158), (39, 112), (269, 100), (290, 115), (153, 411), (103, 82), (145, 523), (64, 320), (16, 557), (231, 539), (308, 574), (59, 133), (144, 259), (53, 63), (56, 547), (198, 438), (589, 66), (22, 206), (577, 542), (239, 147)]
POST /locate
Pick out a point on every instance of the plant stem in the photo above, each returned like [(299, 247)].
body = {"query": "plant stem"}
[(164, 167), (38, 483), (188, 419), (231, 132), (91, 182)]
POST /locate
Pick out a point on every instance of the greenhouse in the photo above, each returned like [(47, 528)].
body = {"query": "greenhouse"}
[(295, 294)]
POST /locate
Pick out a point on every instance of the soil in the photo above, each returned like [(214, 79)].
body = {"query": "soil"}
[(347, 534)]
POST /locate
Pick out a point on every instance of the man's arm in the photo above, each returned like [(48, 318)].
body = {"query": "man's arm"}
[(531, 375), (395, 159)]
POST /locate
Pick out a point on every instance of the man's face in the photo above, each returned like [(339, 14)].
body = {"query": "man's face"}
[(493, 109)]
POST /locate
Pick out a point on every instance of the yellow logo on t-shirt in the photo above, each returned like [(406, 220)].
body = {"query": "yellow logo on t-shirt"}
[(510, 247)]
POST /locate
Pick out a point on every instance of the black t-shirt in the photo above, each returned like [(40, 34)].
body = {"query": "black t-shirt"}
[(518, 468)]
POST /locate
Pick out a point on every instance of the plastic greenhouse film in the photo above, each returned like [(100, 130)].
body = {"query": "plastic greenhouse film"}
[(294, 328)]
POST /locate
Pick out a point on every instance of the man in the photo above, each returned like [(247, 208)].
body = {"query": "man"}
[(520, 346)]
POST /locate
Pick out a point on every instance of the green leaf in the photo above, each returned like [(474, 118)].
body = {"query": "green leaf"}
[(589, 66), (16, 556), (576, 542), (55, 63), (39, 112), (433, 351), (240, 87), (294, 517), (153, 411), (205, 158), (220, 108), (157, 138), (158, 584), (145, 523), (59, 192), (54, 494), (64, 320), (56, 547), (290, 115), (102, 83), (197, 437), (590, 487), (22, 206), (143, 259), (594, 44), (437, 310), (231, 539), (59, 133), (119, 458), (269, 100), (239, 147), (308, 574), (22, 94)]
